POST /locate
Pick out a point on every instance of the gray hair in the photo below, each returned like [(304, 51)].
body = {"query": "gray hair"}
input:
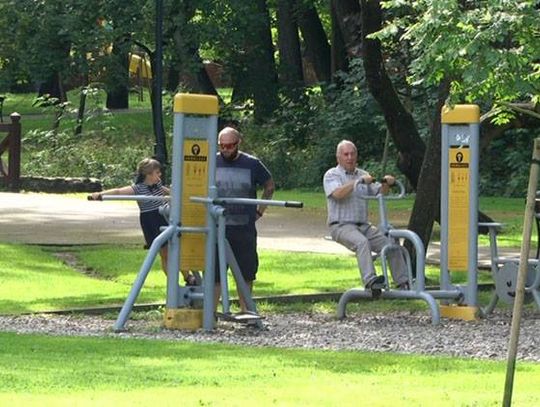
[(344, 143)]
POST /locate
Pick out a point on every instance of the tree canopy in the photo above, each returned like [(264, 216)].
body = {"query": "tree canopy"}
[(304, 73)]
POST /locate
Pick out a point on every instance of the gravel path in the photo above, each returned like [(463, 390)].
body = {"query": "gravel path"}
[(398, 332)]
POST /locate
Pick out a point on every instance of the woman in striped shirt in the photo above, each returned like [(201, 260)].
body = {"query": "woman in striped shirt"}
[(148, 183)]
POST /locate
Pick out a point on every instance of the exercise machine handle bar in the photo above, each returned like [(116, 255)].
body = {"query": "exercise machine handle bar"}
[(247, 201), (400, 195), (215, 201), (129, 198)]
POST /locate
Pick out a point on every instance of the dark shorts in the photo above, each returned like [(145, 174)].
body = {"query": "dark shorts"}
[(150, 224), (243, 241)]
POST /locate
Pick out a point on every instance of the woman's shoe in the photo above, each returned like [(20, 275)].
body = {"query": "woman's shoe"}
[(190, 280)]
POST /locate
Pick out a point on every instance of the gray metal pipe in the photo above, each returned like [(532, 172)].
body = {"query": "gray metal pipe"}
[(139, 198), (358, 293), (241, 285), (141, 277), (193, 229), (445, 294), (246, 201), (420, 284), (209, 277), (222, 256)]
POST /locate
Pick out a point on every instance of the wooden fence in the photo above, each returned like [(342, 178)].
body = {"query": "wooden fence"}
[(10, 172)]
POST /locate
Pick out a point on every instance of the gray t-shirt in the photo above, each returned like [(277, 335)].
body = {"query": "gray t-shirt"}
[(239, 179), (351, 209)]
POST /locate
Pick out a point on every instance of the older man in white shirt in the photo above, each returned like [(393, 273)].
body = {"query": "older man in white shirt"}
[(344, 186)]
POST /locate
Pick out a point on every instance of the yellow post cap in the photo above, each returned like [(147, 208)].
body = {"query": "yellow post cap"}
[(196, 104), (460, 114)]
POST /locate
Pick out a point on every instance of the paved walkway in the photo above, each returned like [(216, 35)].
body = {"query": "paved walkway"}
[(63, 220)]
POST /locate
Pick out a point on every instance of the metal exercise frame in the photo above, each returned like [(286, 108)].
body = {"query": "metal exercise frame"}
[(191, 123), (418, 290), (459, 219)]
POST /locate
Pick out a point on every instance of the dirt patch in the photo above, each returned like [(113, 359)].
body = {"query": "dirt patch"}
[(72, 261)]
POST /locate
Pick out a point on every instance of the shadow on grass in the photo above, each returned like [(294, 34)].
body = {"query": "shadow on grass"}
[(60, 303), (90, 363)]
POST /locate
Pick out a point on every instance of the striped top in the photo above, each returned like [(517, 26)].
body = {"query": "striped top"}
[(149, 190), (351, 209)]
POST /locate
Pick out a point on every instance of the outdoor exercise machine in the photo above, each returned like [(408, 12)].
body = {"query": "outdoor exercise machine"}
[(505, 274), (459, 219), (196, 225)]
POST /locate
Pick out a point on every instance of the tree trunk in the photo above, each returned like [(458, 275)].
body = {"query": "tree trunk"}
[(262, 72), (290, 65), (339, 51), (82, 106), (347, 15), (315, 40), (53, 87), (399, 121), (117, 81), (241, 89), (426, 208), (186, 42), (420, 164), (173, 78)]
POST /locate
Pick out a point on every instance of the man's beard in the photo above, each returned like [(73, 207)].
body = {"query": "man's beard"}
[(230, 158)]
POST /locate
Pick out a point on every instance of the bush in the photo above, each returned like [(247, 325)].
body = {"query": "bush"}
[(299, 144), (102, 152), (505, 164)]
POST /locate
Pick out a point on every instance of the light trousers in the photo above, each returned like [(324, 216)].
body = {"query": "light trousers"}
[(365, 239)]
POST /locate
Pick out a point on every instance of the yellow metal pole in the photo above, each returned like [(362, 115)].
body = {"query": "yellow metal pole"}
[(522, 275)]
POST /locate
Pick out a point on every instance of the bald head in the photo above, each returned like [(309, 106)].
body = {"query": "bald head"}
[(230, 134), (228, 140)]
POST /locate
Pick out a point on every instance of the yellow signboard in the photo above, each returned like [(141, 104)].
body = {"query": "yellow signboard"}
[(458, 208), (194, 183)]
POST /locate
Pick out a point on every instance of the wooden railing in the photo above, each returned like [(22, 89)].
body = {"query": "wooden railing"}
[(10, 172)]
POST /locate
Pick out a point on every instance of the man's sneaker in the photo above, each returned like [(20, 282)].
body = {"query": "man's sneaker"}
[(375, 286), (376, 283), (404, 286)]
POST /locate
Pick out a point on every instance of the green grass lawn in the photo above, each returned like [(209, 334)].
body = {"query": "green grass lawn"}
[(23, 102), (33, 279), (44, 370)]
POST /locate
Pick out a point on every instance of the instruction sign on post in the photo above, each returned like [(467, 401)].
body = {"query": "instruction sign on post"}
[(458, 207), (195, 183)]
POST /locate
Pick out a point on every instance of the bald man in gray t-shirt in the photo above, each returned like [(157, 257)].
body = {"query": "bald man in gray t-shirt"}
[(344, 187)]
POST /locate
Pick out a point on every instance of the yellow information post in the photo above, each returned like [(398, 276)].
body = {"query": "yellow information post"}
[(193, 173), (459, 203)]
